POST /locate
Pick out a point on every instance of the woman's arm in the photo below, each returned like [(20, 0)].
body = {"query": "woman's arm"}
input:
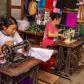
[(50, 34), (0, 50)]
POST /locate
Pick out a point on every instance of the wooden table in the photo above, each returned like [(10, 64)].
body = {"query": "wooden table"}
[(15, 74), (72, 50), (34, 37)]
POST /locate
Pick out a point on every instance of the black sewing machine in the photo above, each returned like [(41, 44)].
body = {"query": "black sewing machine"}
[(12, 56)]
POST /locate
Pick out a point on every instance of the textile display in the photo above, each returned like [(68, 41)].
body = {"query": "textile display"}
[(41, 4), (71, 19)]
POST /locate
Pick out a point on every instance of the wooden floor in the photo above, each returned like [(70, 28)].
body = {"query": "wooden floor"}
[(47, 78), (76, 78)]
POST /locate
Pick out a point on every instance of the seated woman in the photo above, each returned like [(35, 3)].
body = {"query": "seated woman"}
[(51, 31), (8, 33), (50, 34), (10, 36)]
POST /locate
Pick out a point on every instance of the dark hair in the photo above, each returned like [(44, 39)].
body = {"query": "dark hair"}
[(7, 21), (55, 16)]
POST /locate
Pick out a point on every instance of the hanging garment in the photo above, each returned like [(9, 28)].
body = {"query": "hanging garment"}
[(71, 19), (41, 4), (30, 17), (26, 7), (49, 5), (32, 8), (57, 6)]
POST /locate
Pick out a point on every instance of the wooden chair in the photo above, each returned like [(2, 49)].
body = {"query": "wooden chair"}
[(47, 78)]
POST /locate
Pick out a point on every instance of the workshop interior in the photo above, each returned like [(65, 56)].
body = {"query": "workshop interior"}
[(41, 41)]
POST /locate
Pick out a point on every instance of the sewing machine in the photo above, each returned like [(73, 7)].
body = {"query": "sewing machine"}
[(11, 52), (69, 36)]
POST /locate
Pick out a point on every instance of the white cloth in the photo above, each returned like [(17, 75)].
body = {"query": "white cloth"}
[(23, 25), (39, 53), (4, 38)]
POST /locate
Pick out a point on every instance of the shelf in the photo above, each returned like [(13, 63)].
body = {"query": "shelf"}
[(34, 33), (70, 10), (80, 21)]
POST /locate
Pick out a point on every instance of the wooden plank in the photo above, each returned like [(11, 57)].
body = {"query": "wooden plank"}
[(47, 78), (71, 45), (20, 69), (40, 82)]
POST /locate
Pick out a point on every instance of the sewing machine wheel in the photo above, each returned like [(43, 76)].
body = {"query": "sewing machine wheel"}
[(11, 55), (7, 51)]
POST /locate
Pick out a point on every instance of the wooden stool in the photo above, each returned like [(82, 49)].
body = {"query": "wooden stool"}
[(47, 78)]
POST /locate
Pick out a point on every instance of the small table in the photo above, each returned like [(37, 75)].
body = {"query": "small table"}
[(33, 37), (72, 49), (15, 74)]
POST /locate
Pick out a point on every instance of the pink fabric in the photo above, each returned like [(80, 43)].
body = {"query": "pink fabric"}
[(56, 10), (48, 40), (49, 4), (54, 3), (71, 19)]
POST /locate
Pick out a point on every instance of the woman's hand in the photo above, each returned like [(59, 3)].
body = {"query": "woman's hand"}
[(59, 30), (61, 35), (9, 43)]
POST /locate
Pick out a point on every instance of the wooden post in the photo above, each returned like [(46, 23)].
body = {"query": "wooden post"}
[(81, 14)]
